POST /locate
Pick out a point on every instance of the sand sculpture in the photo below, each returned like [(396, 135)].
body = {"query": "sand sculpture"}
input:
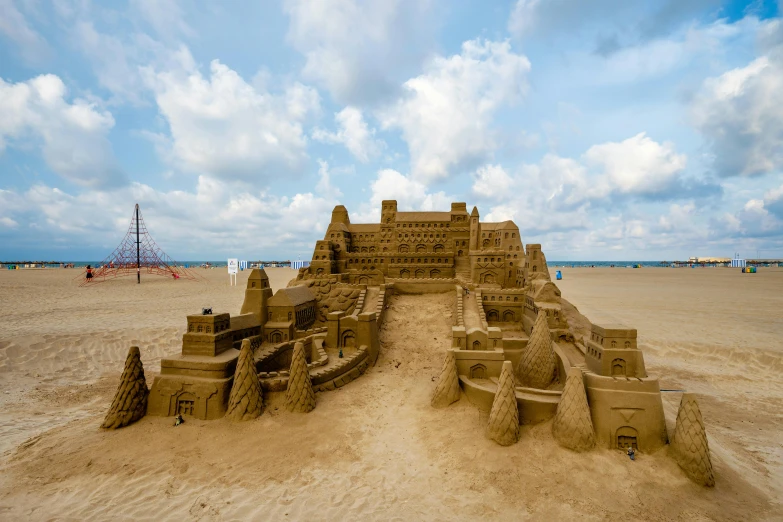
[(447, 390), (504, 417), (246, 401), (537, 365), (299, 396), (689, 444), (572, 426), (512, 317), (130, 401)]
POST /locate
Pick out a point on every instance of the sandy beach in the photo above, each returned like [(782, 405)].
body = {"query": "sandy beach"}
[(375, 449)]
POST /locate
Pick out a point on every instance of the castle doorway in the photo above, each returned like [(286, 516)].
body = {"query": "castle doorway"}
[(626, 436), (186, 404), (275, 337), (434, 272), (618, 368), (363, 280), (488, 278), (349, 339), (405, 273), (508, 316), (477, 345), (419, 273), (492, 315), (460, 253), (478, 372)]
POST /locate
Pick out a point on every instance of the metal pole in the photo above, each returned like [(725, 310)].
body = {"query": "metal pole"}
[(138, 254)]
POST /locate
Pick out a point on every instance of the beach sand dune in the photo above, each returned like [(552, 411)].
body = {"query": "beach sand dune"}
[(375, 449)]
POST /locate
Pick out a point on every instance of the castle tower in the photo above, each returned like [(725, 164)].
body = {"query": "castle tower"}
[(388, 212), (257, 294), (475, 230), (340, 215)]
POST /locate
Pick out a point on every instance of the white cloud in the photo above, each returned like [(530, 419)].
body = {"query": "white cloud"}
[(741, 114), (355, 49), (183, 223), (166, 17), (491, 181), (14, 26), (638, 165), (352, 132), (446, 113), (225, 127), (72, 136)]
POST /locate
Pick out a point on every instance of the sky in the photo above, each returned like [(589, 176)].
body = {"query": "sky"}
[(607, 130)]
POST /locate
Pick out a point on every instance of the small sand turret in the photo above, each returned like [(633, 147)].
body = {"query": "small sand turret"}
[(130, 401), (573, 426), (504, 416), (246, 401), (299, 397), (689, 444), (447, 390), (537, 366)]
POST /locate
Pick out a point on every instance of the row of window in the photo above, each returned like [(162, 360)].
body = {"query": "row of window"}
[(500, 298), (497, 234), (202, 328), (423, 225)]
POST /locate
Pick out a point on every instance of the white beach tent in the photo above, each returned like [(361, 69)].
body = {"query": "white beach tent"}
[(737, 263)]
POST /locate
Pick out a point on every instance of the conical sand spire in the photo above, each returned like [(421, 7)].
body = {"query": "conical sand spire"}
[(130, 401), (537, 366), (573, 425), (504, 417), (246, 401), (689, 444), (447, 389), (299, 397)]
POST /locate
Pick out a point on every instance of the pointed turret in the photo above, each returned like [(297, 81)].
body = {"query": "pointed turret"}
[(573, 425), (299, 397), (246, 401), (257, 293), (474, 212), (537, 366), (130, 401), (504, 417), (689, 444), (447, 390)]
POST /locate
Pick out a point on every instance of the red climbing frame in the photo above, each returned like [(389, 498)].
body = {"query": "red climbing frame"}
[(137, 253)]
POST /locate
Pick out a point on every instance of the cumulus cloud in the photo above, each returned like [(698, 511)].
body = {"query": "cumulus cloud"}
[(409, 193), (72, 135), (353, 133), (227, 128), (186, 224), (356, 49), (740, 113), (446, 112)]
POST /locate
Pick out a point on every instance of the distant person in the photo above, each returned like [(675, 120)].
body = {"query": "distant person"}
[(89, 272), (631, 453)]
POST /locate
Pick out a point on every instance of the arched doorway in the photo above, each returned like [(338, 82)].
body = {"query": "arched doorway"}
[(618, 368), (421, 248), (478, 371), (626, 436), (460, 253), (419, 273), (492, 315), (348, 339), (363, 280), (405, 273), (275, 337), (488, 278), (508, 316), (477, 345), (434, 272)]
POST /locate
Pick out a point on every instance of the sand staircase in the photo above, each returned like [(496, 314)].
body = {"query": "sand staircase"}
[(462, 269)]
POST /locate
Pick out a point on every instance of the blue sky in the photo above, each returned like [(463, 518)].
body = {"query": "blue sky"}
[(608, 130)]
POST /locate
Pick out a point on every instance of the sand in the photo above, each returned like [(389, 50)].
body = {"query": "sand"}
[(375, 449)]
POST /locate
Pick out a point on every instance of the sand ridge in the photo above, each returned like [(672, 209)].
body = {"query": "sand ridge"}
[(375, 449)]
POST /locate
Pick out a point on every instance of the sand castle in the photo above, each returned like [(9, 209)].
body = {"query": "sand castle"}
[(509, 323)]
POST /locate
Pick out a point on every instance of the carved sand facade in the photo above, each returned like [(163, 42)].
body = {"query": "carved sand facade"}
[(512, 346)]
